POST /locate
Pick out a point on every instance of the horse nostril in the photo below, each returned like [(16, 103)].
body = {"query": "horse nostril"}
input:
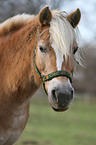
[(69, 96), (54, 95), (72, 94)]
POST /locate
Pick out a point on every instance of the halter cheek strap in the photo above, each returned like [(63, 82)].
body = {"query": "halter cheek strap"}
[(50, 76)]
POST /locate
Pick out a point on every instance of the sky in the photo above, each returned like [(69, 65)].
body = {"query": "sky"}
[(87, 25)]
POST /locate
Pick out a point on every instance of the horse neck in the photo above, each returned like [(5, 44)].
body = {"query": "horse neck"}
[(33, 81), (21, 81)]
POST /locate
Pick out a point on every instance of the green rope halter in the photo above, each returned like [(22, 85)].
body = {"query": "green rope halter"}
[(45, 78)]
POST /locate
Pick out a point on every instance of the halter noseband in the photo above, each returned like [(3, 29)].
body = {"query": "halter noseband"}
[(50, 76)]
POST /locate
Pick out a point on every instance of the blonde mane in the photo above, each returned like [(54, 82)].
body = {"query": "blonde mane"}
[(63, 35), (14, 23)]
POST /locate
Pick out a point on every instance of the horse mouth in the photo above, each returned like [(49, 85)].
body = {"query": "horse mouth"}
[(59, 109)]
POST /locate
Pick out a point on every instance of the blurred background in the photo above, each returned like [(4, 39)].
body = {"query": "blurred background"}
[(78, 124)]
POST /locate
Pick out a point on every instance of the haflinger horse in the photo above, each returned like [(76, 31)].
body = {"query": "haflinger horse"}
[(35, 50)]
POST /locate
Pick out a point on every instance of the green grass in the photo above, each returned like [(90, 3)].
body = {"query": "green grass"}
[(76, 126)]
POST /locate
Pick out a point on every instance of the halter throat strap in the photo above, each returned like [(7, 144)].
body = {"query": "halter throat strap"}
[(50, 76)]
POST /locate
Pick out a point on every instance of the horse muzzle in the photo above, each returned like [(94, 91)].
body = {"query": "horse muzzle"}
[(60, 97)]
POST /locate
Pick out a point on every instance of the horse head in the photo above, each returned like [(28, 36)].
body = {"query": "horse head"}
[(54, 53)]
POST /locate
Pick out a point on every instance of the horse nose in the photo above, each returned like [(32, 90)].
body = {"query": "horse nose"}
[(62, 96)]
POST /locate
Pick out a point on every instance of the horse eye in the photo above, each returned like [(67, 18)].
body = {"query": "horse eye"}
[(42, 49), (75, 49)]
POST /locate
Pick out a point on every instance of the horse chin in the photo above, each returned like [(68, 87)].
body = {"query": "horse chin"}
[(59, 109)]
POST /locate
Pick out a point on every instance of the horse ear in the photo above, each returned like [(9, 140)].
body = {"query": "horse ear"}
[(45, 16), (74, 18)]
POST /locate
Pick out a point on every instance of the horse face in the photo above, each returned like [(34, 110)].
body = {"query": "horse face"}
[(60, 91), (54, 53)]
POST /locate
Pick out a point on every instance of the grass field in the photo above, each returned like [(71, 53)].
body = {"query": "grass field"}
[(76, 126)]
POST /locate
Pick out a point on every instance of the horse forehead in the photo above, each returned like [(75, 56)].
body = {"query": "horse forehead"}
[(45, 35), (46, 42), (59, 58)]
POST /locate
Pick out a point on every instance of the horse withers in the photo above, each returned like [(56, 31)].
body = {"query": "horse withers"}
[(35, 50)]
